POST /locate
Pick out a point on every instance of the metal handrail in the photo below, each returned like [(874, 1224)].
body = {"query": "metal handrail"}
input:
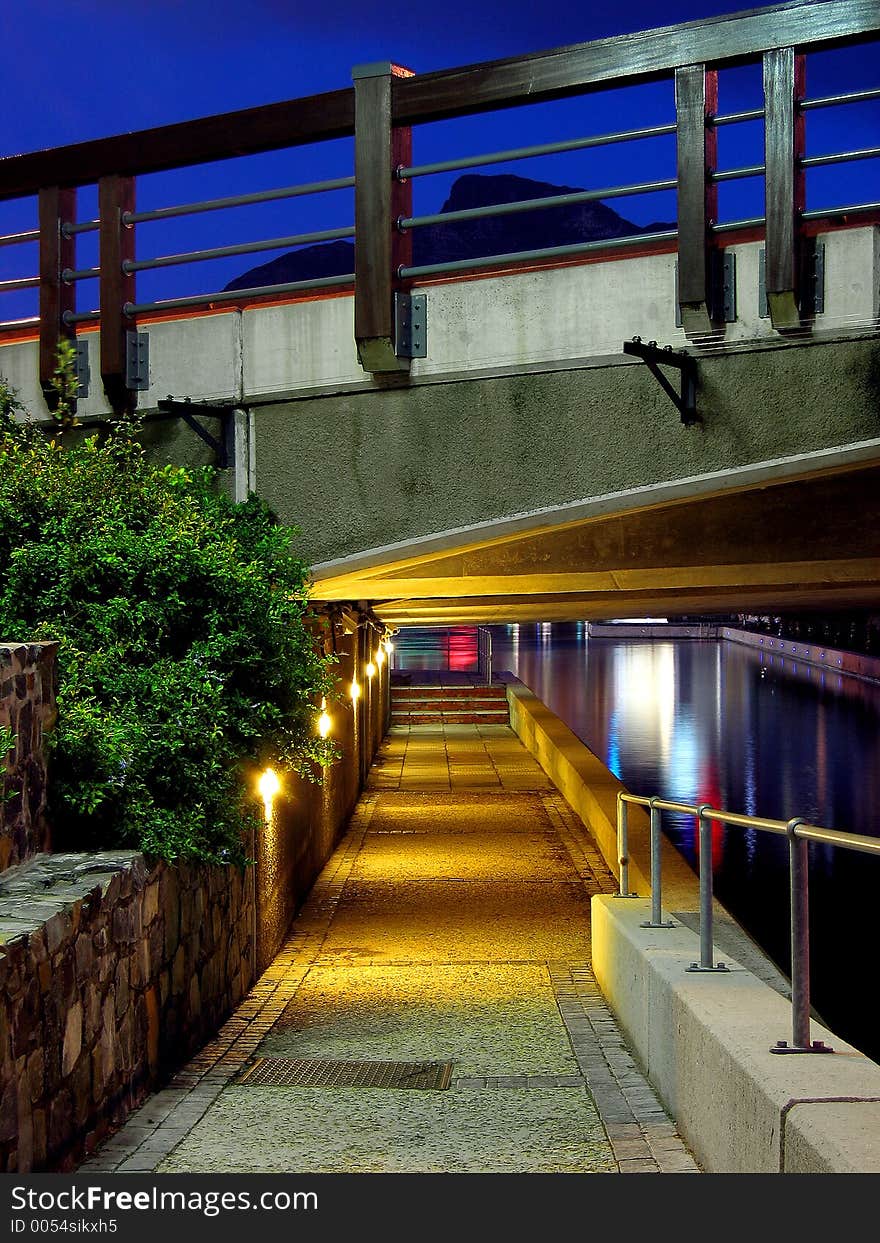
[(229, 295), (19, 282), (537, 204), (404, 173), (547, 252), (243, 248), (237, 200), (484, 653), (799, 835), (16, 239)]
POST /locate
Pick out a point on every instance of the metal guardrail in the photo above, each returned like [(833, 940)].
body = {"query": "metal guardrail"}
[(484, 649), (799, 835), (379, 111)]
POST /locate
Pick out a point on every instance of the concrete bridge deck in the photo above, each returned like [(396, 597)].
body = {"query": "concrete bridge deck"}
[(451, 924)]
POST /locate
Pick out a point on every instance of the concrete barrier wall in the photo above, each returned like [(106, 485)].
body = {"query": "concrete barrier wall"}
[(704, 1040), (832, 659)]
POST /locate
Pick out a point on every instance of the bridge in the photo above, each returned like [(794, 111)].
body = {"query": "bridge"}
[(677, 419)]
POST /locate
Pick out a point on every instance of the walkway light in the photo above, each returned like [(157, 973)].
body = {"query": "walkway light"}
[(268, 786), (370, 670), (380, 656), (324, 722), (354, 690)]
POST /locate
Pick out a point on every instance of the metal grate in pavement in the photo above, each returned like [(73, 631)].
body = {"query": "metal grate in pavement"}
[(282, 1072)]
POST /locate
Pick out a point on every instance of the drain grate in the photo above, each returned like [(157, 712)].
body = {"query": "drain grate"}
[(282, 1072)]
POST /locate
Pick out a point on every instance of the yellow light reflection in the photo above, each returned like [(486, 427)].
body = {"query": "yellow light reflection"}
[(268, 786), (325, 724)]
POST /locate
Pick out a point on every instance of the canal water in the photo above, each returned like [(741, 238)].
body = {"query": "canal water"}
[(708, 721)]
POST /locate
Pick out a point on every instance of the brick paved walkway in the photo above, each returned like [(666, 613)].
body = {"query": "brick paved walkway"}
[(451, 924)]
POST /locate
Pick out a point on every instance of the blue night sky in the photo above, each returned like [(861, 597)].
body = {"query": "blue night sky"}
[(87, 68)]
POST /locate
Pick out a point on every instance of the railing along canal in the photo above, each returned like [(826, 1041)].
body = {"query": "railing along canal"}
[(799, 835), (379, 112)]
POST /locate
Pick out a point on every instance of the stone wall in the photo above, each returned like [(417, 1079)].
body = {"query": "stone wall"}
[(27, 706), (309, 818), (111, 973)]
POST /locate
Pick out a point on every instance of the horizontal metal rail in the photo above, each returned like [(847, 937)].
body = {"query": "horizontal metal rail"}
[(736, 118), (852, 209), (16, 239), (80, 317), (71, 228), (737, 174), (521, 256), (839, 157), (69, 275), (832, 101), (32, 322), (234, 295), (521, 205), (21, 282), (730, 226), (245, 248), (237, 200), (799, 834), (524, 153)]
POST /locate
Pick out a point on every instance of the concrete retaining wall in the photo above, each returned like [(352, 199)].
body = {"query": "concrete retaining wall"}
[(704, 1040), (835, 660), (27, 707)]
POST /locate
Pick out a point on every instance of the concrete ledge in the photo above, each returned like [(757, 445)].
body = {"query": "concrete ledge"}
[(704, 1041), (591, 790)]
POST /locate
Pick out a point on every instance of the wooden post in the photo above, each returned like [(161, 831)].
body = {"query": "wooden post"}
[(784, 82), (115, 196), (57, 252), (696, 99), (379, 199)]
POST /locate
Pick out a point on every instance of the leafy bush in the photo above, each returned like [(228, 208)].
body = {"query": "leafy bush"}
[(185, 658)]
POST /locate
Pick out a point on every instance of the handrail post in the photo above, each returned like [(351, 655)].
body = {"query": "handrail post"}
[(656, 920), (57, 207), (380, 148), (696, 100), (799, 864), (115, 196), (784, 182), (623, 847), (706, 962)]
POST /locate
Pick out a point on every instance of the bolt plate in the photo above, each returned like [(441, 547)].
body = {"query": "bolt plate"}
[(281, 1072)]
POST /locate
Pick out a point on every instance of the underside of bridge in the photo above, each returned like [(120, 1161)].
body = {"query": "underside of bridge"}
[(802, 543)]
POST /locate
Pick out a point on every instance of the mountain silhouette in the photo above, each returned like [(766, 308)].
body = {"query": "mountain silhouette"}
[(467, 239)]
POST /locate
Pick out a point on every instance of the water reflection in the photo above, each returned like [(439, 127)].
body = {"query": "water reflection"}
[(746, 730)]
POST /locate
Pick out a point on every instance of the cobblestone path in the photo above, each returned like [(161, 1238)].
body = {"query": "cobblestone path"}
[(451, 925)]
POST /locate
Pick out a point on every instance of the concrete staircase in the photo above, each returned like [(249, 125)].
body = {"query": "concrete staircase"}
[(449, 705)]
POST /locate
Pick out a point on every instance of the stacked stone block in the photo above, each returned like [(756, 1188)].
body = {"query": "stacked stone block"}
[(112, 972), (27, 706)]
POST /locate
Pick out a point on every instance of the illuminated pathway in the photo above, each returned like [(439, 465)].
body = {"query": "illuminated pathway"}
[(450, 926)]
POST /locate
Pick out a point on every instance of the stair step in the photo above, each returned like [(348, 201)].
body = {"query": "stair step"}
[(450, 718), (448, 692)]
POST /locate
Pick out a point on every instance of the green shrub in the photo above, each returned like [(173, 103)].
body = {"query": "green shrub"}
[(185, 656)]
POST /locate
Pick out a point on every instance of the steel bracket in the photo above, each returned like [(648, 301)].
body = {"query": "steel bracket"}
[(81, 367), (684, 401), (719, 966), (812, 283), (722, 288), (817, 1046), (647, 923), (411, 325), (137, 361), (187, 410)]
